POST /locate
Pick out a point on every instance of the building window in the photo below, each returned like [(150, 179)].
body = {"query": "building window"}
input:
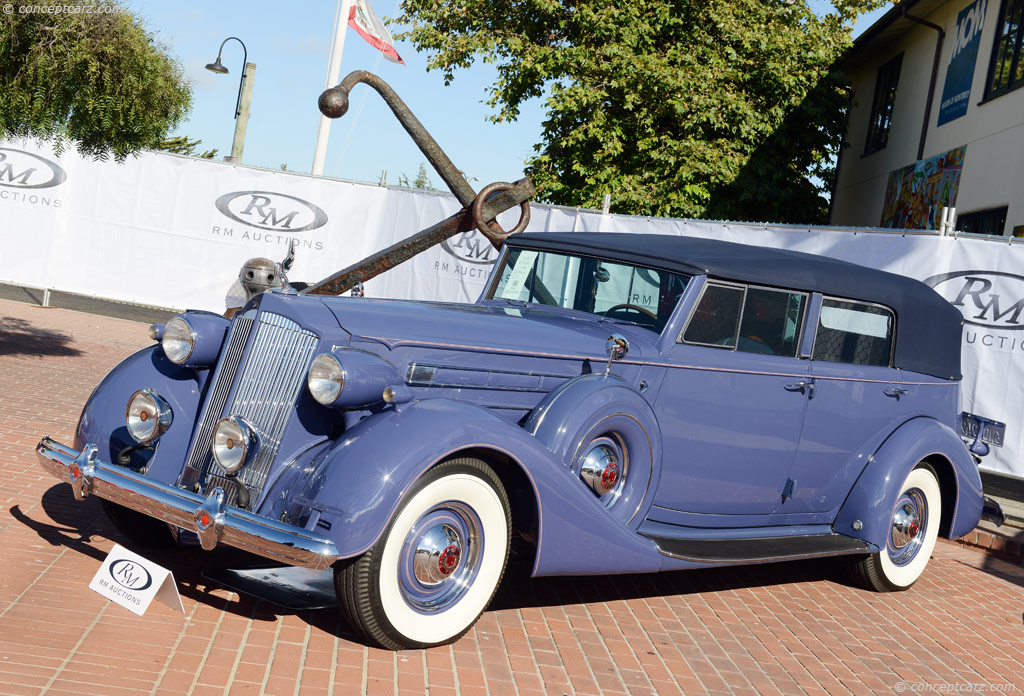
[(1007, 70), (990, 222), (881, 106)]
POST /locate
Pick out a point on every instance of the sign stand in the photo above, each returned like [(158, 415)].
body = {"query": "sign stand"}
[(134, 582)]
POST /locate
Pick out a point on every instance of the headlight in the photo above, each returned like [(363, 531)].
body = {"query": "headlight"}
[(148, 416), (234, 443), (179, 340), (326, 379)]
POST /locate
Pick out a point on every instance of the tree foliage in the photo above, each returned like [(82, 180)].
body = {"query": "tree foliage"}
[(698, 108), (183, 145), (89, 74), (422, 181)]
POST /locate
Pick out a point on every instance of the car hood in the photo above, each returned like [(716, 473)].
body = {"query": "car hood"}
[(496, 328)]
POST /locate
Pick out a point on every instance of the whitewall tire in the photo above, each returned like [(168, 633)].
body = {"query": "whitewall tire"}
[(912, 532), (438, 564)]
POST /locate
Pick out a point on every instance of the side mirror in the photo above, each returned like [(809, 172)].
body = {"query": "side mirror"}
[(616, 347)]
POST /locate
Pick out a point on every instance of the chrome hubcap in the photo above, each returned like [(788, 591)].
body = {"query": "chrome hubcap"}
[(603, 467), (437, 555), (440, 557), (909, 522)]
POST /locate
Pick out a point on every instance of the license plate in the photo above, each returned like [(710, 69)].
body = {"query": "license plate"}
[(993, 434)]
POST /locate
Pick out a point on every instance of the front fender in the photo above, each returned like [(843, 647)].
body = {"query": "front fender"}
[(103, 423), (357, 485), (873, 497)]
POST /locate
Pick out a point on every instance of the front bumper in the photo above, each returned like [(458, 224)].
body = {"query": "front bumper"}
[(212, 521)]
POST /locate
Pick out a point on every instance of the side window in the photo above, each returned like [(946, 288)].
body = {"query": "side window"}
[(771, 322), (714, 321), (882, 105), (852, 332)]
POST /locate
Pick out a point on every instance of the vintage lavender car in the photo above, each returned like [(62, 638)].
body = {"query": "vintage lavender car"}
[(624, 403)]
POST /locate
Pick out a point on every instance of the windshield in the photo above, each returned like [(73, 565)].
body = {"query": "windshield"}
[(618, 291)]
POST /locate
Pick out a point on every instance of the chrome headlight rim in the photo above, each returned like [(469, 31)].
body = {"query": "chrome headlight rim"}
[(169, 334), (146, 406), (326, 370), (233, 433)]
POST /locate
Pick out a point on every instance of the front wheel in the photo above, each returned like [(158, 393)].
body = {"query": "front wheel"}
[(913, 529), (438, 563)]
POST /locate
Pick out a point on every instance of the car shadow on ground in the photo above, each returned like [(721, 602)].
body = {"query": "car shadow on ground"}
[(74, 523), (19, 337)]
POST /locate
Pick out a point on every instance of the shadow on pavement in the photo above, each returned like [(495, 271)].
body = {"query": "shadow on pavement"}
[(19, 337)]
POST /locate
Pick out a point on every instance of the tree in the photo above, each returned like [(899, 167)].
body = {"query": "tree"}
[(183, 145), (89, 74), (724, 108), (422, 181)]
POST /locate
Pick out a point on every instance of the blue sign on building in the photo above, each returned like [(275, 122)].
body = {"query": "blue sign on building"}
[(966, 39)]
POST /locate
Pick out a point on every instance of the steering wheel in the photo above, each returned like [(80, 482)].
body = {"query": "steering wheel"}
[(631, 308)]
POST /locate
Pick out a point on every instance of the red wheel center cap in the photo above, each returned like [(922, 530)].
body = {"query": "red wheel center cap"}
[(448, 560), (610, 476), (915, 527)]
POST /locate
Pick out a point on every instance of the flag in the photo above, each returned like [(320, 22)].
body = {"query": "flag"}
[(364, 20)]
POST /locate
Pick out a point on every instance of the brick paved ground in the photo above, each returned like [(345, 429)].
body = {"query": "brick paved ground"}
[(795, 628)]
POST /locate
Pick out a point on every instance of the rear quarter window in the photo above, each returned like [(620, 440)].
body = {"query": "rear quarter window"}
[(854, 332)]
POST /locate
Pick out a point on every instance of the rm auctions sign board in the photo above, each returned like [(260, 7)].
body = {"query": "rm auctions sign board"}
[(173, 231), (134, 582)]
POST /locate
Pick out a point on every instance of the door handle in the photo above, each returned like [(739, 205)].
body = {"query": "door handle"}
[(895, 393), (801, 386)]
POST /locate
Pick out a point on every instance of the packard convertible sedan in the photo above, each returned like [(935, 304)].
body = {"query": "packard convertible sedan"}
[(621, 403)]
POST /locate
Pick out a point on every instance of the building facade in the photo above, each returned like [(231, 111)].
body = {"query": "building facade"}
[(936, 119)]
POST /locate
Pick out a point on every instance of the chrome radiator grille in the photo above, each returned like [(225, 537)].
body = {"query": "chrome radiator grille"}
[(268, 385)]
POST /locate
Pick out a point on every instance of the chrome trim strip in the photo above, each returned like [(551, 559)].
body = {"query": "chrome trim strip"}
[(89, 475), (392, 342), (484, 373)]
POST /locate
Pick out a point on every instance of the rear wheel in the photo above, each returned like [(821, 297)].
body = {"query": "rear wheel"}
[(438, 563), (913, 530), (141, 529)]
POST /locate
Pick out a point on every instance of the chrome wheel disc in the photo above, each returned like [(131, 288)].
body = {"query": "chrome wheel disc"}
[(909, 522), (440, 557), (603, 466)]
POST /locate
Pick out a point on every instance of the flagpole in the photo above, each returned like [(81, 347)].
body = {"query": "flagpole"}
[(333, 73)]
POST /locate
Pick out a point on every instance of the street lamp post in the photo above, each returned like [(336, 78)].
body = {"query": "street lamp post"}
[(244, 96)]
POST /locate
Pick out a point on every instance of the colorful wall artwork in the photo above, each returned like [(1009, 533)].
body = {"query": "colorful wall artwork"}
[(916, 194)]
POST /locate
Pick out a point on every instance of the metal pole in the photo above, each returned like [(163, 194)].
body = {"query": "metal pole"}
[(242, 119), (333, 71)]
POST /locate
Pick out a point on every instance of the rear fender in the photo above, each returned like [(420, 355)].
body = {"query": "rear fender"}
[(103, 419), (871, 501), (355, 487)]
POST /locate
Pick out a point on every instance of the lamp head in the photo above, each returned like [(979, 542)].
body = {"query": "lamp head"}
[(217, 67)]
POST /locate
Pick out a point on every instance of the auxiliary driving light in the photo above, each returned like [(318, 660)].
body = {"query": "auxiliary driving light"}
[(234, 443), (147, 416)]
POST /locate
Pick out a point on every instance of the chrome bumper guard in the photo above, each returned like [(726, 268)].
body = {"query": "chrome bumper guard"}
[(208, 517)]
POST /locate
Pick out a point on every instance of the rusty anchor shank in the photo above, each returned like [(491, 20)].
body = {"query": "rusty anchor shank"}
[(479, 210)]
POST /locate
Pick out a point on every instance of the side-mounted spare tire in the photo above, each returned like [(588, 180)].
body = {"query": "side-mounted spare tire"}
[(607, 433)]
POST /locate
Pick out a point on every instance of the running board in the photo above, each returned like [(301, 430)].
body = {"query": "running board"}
[(760, 550)]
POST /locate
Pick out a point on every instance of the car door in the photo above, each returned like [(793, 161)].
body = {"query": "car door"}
[(730, 407), (853, 405)]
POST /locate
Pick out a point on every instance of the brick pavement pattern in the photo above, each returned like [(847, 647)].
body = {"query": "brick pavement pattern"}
[(793, 628)]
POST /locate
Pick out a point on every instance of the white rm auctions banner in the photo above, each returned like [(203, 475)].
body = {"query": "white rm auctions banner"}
[(173, 231)]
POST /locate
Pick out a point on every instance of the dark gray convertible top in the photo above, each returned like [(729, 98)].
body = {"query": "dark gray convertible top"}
[(928, 332)]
